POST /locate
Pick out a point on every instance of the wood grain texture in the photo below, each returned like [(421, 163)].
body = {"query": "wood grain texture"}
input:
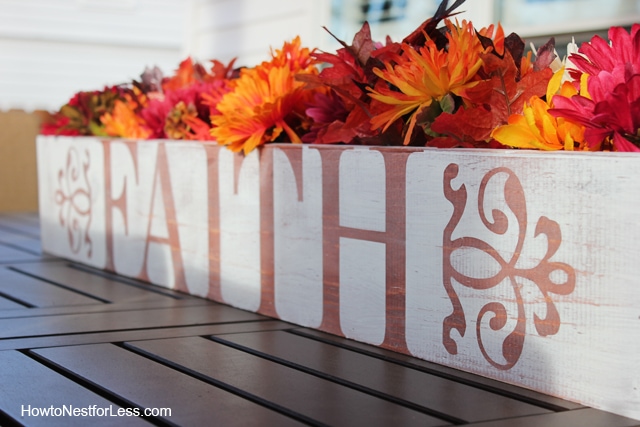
[(101, 308), (477, 381), (10, 304), (138, 380), (97, 286), (38, 293), (314, 398), (20, 241), (25, 343), (474, 260), (425, 390), (577, 418), (12, 255), (26, 382), (211, 363)]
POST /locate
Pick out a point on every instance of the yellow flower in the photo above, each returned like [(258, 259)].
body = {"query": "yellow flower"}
[(537, 129), (265, 101), (428, 74)]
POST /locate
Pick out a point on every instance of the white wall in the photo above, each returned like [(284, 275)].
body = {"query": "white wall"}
[(248, 29), (50, 49)]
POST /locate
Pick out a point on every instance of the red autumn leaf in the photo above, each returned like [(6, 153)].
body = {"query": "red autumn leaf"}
[(220, 71), (429, 28), (344, 72), (363, 45), (466, 124), (492, 101), (545, 55), (503, 94)]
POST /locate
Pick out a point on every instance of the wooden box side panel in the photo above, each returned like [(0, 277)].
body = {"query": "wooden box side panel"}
[(71, 198), (519, 266)]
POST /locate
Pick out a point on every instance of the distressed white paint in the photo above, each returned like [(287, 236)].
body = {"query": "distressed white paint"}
[(61, 163), (240, 231), (362, 205), (188, 172), (298, 239), (362, 290), (593, 197), (159, 267), (362, 190), (133, 181)]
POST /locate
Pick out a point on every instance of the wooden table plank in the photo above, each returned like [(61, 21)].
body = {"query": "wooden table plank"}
[(578, 418), (102, 308), (26, 382), (21, 217), (120, 321), (15, 224), (12, 255), (97, 286), (38, 293), (89, 333), (28, 244), (9, 304), (425, 390), (315, 398), (141, 334), (24, 217), (483, 383), (148, 384)]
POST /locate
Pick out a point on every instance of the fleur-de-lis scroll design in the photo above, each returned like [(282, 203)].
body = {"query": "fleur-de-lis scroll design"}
[(74, 198), (541, 274)]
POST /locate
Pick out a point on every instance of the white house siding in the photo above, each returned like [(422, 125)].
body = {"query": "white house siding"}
[(248, 29), (50, 49)]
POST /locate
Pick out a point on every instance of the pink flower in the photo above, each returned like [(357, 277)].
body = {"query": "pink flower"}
[(610, 107)]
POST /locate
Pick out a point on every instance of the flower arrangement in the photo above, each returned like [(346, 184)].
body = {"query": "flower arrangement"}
[(447, 84)]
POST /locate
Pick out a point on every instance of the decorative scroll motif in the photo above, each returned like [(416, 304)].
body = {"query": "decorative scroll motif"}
[(74, 198), (541, 274)]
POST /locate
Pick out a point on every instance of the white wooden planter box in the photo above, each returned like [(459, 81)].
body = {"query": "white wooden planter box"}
[(517, 265)]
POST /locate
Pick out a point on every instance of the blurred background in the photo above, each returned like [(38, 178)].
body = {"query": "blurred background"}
[(50, 49)]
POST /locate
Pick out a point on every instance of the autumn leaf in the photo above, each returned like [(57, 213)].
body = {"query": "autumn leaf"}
[(492, 101), (545, 55), (466, 124), (429, 28)]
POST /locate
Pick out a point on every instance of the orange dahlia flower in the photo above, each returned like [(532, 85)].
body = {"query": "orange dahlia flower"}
[(266, 102), (423, 76)]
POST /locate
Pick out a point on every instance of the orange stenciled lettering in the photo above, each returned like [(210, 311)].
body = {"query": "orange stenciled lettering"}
[(393, 238), (162, 182), (112, 204)]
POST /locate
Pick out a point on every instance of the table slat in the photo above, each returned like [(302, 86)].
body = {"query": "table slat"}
[(11, 255), (577, 418), (148, 384), (141, 334), (119, 321), (38, 293), (26, 382), (98, 286), (423, 389), (316, 398)]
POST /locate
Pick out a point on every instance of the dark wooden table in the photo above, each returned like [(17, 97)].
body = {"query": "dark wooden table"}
[(72, 337)]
